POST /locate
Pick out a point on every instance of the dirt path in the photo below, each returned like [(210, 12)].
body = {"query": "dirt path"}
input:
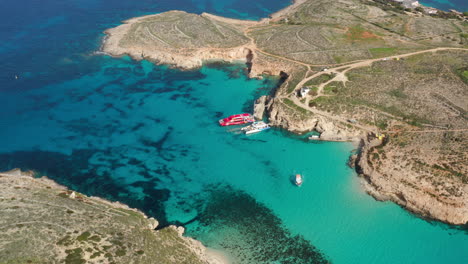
[(298, 103), (340, 70), (341, 75), (426, 131)]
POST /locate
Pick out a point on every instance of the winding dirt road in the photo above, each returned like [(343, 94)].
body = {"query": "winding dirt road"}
[(340, 76)]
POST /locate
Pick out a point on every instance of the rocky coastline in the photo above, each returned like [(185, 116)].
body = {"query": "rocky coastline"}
[(452, 209), (401, 189), (193, 58), (72, 226), (281, 116), (428, 205), (187, 59)]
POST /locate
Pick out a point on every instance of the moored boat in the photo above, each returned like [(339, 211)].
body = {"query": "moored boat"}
[(298, 180), (256, 127), (237, 120)]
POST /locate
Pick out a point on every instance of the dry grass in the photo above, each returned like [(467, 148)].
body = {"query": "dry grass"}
[(40, 223)]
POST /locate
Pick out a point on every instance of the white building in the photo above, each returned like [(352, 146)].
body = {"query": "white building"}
[(430, 10), (304, 91), (409, 3)]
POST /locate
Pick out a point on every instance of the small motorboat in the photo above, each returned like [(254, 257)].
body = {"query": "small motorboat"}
[(298, 180)]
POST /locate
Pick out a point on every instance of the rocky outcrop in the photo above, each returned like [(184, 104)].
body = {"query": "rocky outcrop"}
[(260, 106), (332, 131), (282, 116), (180, 39), (408, 190), (153, 223)]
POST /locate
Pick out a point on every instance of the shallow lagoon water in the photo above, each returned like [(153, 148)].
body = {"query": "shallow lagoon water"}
[(459, 5), (148, 136)]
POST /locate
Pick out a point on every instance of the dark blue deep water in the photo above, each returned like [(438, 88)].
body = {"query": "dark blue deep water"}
[(147, 136)]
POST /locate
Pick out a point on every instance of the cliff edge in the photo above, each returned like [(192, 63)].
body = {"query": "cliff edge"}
[(43, 222), (349, 69)]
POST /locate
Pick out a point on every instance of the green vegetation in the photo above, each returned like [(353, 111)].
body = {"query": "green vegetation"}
[(313, 91), (319, 79), (95, 238), (120, 252), (333, 87), (399, 93), (291, 104), (383, 52), (131, 213), (295, 78), (84, 236), (74, 256), (381, 124), (463, 74), (388, 5)]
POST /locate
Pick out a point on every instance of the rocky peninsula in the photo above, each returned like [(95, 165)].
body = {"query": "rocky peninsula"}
[(391, 79), (43, 222)]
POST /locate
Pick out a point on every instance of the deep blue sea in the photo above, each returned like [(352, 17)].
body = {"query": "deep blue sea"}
[(147, 136)]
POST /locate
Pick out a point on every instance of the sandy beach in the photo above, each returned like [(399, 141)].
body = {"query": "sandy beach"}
[(217, 257)]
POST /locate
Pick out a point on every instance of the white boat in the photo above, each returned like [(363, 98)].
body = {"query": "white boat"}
[(257, 126), (298, 180), (314, 137)]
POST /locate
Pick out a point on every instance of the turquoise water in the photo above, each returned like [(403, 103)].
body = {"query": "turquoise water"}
[(147, 135), (460, 5)]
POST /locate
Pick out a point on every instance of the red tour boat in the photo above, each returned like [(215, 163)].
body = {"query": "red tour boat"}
[(237, 120)]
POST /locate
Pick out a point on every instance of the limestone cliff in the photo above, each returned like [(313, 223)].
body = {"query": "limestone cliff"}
[(391, 180)]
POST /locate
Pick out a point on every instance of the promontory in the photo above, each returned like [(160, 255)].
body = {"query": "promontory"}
[(43, 222)]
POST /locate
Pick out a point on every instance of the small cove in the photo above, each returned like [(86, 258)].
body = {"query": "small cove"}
[(147, 135)]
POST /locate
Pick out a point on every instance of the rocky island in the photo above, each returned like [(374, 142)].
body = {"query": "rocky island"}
[(43, 222), (388, 77)]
